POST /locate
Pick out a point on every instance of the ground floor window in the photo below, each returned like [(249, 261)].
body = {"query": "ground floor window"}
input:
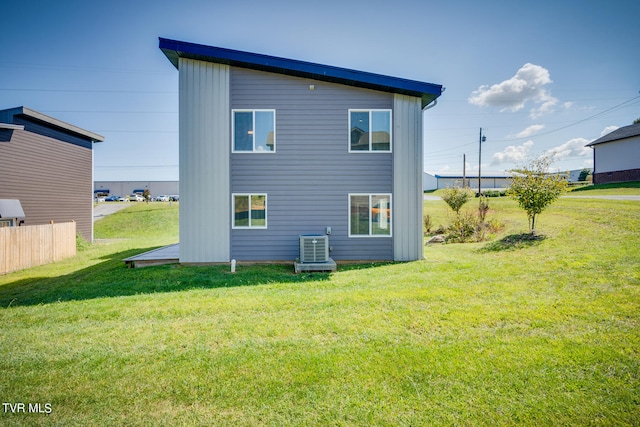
[(249, 211), (369, 215)]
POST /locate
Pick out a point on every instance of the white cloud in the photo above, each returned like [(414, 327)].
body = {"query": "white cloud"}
[(608, 129), (529, 131), (573, 148), (512, 154), (547, 105), (527, 85)]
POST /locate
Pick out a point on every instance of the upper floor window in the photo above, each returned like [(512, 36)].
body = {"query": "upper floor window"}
[(370, 130), (254, 131)]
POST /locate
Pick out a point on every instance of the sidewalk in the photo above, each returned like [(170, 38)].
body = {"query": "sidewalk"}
[(107, 208)]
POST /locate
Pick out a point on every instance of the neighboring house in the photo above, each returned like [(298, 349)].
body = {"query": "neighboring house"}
[(488, 181), (429, 182), (272, 148), (616, 156), (47, 165), (11, 213), (125, 188), (574, 174)]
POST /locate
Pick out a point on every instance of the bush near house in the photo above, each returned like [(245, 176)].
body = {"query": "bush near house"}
[(494, 193), (534, 188), (456, 197)]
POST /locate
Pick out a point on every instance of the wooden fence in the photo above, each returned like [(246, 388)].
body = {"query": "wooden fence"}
[(32, 245)]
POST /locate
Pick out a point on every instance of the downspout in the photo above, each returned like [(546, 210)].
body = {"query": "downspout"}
[(430, 105), (593, 174)]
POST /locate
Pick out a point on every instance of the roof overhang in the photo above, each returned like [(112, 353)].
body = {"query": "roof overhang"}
[(11, 208), (50, 121), (174, 50), (630, 131)]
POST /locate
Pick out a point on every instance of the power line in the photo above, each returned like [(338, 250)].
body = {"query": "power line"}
[(608, 110), (79, 68), (87, 91)]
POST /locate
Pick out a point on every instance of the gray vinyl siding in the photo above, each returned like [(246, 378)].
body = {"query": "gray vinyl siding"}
[(407, 179), (205, 202), (309, 177), (51, 178)]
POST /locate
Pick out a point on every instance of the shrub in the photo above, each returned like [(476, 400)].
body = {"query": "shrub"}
[(534, 188), (463, 228), (440, 230), (494, 226), (584, 174), (455, 197), (483, 208), (427, 223), (81, 243)]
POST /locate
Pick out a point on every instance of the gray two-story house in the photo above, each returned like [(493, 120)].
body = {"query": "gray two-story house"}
[(274, 148)]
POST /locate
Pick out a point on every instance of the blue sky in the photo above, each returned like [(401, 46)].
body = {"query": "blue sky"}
[(536, 76)]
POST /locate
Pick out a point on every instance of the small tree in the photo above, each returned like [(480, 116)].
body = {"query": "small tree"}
[(584, 174), (534, 188), (455, 197), (483, 208)]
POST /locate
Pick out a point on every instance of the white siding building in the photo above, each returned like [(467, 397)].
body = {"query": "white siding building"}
[(616, 156)]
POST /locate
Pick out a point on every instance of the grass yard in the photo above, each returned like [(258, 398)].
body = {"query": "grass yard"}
[(507, 332)]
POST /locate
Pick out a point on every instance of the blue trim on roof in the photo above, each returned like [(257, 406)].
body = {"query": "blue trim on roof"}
[(174, 50)]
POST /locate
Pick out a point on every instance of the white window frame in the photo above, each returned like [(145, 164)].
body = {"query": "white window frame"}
[(370, 235), (370, 111), (233, 130), (248, 227)]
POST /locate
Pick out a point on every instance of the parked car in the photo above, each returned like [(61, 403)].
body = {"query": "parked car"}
[(174, 197), (136, 198), (112, 199), (162, 198)]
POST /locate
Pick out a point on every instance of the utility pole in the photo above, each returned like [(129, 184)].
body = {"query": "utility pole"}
[(464, 170), (480, 141)]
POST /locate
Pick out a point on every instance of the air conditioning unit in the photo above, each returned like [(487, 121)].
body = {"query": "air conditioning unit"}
[(314, 248)]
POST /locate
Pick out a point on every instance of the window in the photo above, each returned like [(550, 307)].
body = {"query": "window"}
[(249, 211), (369, 215), (370, 130), (254, 131)]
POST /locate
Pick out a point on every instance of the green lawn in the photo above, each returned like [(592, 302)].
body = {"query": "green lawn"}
[(625, 188), (507, 332)]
